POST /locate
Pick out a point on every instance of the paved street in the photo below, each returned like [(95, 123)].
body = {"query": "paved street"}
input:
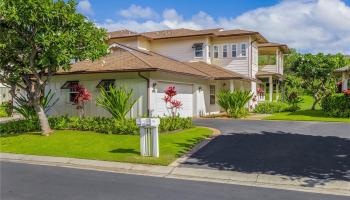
[(35, 182), (295, 149)]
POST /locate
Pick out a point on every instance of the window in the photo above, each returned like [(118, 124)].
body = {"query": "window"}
[(234, 51), (106, 84), (212, 94), (224, 51), (70, 86), (216, 51), (243, 50), (198, 50)]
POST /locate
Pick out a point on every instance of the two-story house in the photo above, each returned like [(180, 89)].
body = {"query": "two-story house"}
[(199, 63)]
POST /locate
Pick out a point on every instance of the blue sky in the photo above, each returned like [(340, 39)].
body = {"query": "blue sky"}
[(307, 25)]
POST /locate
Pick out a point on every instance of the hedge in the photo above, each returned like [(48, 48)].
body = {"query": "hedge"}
[(336, 105), (270, 107), (97, 124)]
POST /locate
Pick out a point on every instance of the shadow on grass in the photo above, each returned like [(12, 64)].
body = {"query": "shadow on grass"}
[(121, 150), (278, 153), (188, 145), (19, 134), (310, 113)]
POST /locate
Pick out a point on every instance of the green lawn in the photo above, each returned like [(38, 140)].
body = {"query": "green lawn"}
[(97, 146), (306, 114)]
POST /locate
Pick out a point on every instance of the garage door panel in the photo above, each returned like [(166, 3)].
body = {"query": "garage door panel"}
[(184, 94)]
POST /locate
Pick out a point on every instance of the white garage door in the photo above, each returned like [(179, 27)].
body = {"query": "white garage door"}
[(184, 94)]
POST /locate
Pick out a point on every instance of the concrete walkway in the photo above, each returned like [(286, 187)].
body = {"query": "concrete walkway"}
[(228, 177), (7, 119)]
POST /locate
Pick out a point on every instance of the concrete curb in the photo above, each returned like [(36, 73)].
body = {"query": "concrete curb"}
[(218, 176)]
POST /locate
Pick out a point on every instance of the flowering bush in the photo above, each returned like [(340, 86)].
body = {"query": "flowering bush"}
[(172, 104), (82, 96)]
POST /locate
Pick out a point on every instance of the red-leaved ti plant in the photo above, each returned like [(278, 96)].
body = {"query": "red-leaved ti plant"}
[(172, 104), (81, 97), (260, 91), (346, 92)]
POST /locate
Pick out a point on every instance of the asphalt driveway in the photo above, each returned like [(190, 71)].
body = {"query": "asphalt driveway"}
[(296, 149)]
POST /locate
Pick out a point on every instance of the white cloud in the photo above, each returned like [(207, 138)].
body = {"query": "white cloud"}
[(138, 12), (85, 7), (308, 25)]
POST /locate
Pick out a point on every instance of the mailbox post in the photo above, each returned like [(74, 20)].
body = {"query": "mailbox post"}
[(149, 142)]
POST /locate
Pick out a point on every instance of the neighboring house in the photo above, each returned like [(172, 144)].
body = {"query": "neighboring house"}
[(199, 63), (345, 74), (4, 94)]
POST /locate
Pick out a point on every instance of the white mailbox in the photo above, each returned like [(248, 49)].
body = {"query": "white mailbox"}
[(149, 142)]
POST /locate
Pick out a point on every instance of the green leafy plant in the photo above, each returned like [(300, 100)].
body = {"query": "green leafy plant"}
[(3, 112), (234, 103), (336, 105), (174, 123), (270, 107), (28, 111), (117, 101), (293, 99)]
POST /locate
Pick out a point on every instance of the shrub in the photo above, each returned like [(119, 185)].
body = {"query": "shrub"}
[(270, 107), (6, 109), (174, 123), (234, 103), (20, 126), (336, 105), (3, 112), (97, 124), (116, 101)]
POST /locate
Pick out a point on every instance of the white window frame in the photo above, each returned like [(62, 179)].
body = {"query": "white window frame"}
[(216, 52), (212, 94), (235, 50), (245, 49), (224, 50), (202, 51)]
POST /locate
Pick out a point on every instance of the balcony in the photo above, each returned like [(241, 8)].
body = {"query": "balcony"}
[(270, 70)]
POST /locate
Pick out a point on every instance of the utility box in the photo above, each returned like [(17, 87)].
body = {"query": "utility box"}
[(149, 136)]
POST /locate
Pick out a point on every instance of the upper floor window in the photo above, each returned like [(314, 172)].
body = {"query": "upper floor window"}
[(198, 50), (234, 51), (243, 49), (224, 51), (216, 51)]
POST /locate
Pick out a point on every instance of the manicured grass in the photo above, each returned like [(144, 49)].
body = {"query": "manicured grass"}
[(306, 114), (97, 146)]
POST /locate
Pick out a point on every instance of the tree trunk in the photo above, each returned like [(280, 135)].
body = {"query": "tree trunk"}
[(314, 104), (44, 122)]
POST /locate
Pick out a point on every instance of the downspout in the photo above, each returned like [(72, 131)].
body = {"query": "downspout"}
[(148, 94)]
